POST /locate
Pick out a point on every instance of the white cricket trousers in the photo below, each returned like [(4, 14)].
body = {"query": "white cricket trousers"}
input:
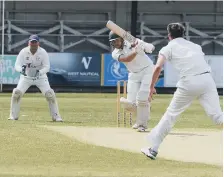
[(188, 88), (138, 93), (139, 85), (42, 83)]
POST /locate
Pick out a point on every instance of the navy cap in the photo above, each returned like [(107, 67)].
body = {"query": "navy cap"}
[(34, 37)]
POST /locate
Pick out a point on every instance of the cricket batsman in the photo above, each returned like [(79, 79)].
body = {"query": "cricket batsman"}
[(140, 68), (33, 64), (195, 82)]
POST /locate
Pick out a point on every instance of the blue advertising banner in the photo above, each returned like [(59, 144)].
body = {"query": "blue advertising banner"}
[(82, 69), (10, 75), (114, 71), (66, 68)]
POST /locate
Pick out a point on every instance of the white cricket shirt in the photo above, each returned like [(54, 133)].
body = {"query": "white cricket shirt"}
[(185, 56), (140, 62), (38, 61)]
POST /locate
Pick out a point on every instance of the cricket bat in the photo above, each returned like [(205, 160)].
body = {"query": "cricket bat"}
[(120, 32)]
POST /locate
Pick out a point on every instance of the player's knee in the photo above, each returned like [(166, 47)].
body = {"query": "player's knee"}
[(131, 108), (128, 105), (143, 103), (142, 99), (16, 94), (50, 95)]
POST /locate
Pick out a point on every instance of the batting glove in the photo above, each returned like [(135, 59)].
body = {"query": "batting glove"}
[(149, 48), (140, 47)]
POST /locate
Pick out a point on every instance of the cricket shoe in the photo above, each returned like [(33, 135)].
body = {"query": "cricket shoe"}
[(57, 119), (141, 128), (11, 118), (149, 152)]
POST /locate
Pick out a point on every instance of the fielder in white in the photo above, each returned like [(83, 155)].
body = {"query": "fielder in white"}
[(33, 64), (140, 69), (195, 82)]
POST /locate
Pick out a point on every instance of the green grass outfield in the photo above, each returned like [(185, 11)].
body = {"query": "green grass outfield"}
[(27, 150)]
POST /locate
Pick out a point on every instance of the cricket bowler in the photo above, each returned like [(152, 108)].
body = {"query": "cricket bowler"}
[(195, 82), (33, 64)]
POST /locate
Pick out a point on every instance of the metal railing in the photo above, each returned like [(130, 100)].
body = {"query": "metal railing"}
[(70, 33)]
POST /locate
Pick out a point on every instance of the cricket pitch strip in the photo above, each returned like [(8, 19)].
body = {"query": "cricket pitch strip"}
[(187, 145)]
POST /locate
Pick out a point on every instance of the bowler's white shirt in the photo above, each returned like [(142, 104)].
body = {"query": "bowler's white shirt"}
[(185, 56), (38, 61), (140, 62)]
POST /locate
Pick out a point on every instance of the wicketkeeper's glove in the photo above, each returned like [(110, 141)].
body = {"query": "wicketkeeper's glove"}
[(23, 72), (38, 74)]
